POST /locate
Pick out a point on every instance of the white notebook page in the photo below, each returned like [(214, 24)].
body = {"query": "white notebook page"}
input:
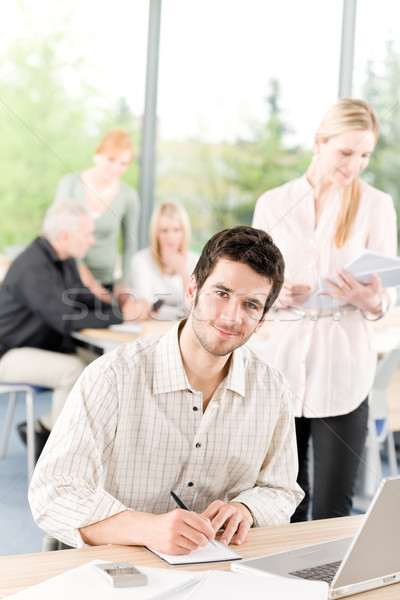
[(206, 554)]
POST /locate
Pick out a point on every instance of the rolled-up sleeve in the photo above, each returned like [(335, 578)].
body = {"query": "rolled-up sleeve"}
[(67, 489)]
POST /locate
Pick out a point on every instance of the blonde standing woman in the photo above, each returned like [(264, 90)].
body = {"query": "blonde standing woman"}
[(163, 271), (321, 222), (114, 207)]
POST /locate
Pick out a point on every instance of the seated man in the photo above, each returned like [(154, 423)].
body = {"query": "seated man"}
[(194, 411), (42, 300)]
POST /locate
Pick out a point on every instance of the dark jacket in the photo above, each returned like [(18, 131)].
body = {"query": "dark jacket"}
[(42, 300)]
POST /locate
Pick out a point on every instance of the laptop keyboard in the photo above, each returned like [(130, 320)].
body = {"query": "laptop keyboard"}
[(320, 573)]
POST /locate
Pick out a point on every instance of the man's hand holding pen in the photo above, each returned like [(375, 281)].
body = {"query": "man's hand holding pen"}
[(234, 518)]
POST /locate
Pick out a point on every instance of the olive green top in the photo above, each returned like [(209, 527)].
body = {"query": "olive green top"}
[(123, 213)]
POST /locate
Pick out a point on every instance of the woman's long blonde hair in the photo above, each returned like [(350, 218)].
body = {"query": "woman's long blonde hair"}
[(175, 211), (347, 114)]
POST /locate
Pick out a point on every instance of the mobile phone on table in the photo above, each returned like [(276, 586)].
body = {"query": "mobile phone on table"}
[(122, 574), (157, 304)]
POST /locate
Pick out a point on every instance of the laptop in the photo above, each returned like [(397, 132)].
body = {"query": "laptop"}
[(369, 560)]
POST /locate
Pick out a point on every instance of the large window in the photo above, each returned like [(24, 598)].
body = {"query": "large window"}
[(242, 86), (377, 79), (69, 72)]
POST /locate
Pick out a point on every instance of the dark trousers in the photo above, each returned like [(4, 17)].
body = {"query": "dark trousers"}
[(337, 444)]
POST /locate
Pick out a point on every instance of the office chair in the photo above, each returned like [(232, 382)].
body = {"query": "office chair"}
[(379, 431), (51, 544), (30, 391)]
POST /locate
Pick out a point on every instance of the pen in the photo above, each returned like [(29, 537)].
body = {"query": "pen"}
[(183, 505)]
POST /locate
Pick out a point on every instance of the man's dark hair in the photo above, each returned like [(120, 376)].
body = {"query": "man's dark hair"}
[(243, 244)]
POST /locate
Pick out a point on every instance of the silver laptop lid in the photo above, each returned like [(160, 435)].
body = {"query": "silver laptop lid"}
[(375, 550)]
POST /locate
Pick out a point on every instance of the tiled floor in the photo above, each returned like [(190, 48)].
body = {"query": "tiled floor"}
[(18, 532)]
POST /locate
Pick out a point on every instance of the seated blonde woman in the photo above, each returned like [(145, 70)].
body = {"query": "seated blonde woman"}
[(163, 271)]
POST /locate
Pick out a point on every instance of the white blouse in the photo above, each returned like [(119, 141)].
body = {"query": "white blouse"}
[(150, 283), (329, 362)]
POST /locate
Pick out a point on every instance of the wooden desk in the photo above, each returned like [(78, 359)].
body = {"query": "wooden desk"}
[(104, 340), (20, 572)]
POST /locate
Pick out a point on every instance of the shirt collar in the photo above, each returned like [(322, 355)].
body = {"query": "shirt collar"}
[(305, 185), (174, 377), (235, 380), (306, 188), (169, 373), (48, 249)]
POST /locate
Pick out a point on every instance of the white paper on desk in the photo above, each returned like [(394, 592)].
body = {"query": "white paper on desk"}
[(85, 583), (367, 263), (238, 586), (203, 555), (133, 327)]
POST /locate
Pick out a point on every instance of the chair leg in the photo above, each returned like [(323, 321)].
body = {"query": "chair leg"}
[(50, 543), (30, 433), (392, 453), (7, 424), (373, 466)]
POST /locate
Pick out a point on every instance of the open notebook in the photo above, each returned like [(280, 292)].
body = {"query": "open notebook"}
[(86, 582), (207, 554)]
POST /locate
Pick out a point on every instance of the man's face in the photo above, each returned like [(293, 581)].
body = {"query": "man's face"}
[(228, 308), (79, 241)]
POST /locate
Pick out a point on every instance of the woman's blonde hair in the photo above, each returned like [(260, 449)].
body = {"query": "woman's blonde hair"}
[(114, 142), (175, 211), (347, 114)]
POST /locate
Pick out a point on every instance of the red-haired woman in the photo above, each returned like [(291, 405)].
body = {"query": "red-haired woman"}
[(113, 205)]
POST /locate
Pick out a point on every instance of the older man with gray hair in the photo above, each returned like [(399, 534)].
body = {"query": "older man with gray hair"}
[(42, 301)]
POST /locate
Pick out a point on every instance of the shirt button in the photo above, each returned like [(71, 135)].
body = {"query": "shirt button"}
[(195, 408), (190, 483), (198, 445), (190, 391)]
